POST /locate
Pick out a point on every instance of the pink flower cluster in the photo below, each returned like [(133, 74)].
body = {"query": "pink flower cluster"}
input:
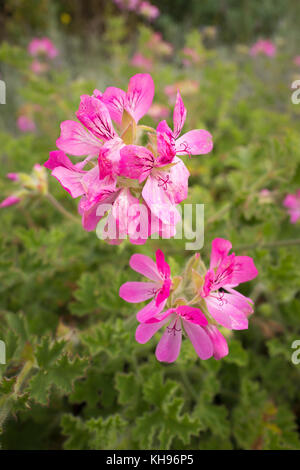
[(292, 203), (264, 47), (143, 8), (41, 49), (134, 186), (218, 303)]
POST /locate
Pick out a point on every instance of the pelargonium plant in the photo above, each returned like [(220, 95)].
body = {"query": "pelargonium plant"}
[(129, 175), (196, 304)]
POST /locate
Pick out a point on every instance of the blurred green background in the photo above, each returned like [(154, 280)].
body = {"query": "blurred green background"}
[(74, 377)]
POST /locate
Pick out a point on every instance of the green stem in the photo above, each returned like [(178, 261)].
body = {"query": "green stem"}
[(188, 385), (61, 208)]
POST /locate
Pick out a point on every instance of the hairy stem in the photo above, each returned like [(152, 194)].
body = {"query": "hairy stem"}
[(61, 208)]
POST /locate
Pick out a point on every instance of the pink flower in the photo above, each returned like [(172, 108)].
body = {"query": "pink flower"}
[(10, 201), (191, 56), (297, 60), (148, 10), (158, 289), (39, 67), (263, 46), (194, 323), (12, 176), (227, 306), (159, 111), (43, 46), (26, 124), (138, 60), (292, 203)]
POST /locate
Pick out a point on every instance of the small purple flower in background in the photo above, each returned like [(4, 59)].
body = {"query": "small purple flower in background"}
[(149, 11), (264, 47), (39, 67), (159, 111), (292, 203), (214, 294), (26, 124)]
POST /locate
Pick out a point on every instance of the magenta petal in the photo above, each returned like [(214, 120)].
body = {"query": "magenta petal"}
[(140, 95), (114, 99), (199, 339), (150, 310), (136, 162), (179, 115), (219, 342), (145, 266), (162, 265), (10, 201), (135, 292), (225, 313), (76, 140), (94, 115), (243, 270), (59, 158), (196, 142), (192, 314), (159, 200), (165, 144), (219, 249), (169, 345), (145, 331)]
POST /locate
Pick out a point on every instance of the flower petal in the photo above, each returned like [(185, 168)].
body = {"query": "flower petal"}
[(196, 142), (169, 345), (136, 162), (135, 292), (219, 342), (225, 313), (94, 115), (114, 99), (144, 265), (157, 198), (199, 339), (219, 250), (145, 331), (150, 310), (76, 140), (179, 115), (140, 95)]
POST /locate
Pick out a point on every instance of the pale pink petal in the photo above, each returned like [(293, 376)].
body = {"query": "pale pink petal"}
[(135, 292), (76, 140), (199, 339), (157, 198), (114, 99), (94, 115), (196, 142), (219, 249), (225, 313), (179, 115), (220, 345), (174, 182), (140, 95), (145, 266), (169, 345)]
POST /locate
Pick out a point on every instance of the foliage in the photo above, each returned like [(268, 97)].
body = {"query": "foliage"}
[(75, 377)]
